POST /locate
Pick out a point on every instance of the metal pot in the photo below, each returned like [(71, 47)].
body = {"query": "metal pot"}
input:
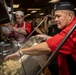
[(32, 64)]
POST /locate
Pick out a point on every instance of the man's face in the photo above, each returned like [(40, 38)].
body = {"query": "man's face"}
[(19, 19), (61, 18)]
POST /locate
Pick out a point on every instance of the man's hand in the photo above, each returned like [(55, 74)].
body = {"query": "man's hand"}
[(12, 56), (8, 25), (46, 18), (44, 37)]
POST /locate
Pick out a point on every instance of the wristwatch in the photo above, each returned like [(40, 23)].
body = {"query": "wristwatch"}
[(20, 53)]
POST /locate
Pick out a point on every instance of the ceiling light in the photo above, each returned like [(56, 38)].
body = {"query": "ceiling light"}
[(27, 15), (33, 9), (15, 5), (74, 8), (53, 1), (41, 14), (14, 12)]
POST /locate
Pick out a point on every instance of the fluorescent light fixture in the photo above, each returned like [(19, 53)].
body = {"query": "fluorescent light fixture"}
[(74, 8), (41, 14), (53, 1), (15, 5), (27, 15), (14, 12), (33, 9)]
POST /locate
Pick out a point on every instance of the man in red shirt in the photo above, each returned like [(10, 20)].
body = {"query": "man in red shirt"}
[(21, 29), (65, 19)]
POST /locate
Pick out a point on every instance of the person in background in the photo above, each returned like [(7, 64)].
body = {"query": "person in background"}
[(21, 29), (51, 30), (6, 32), (37, 30), (65, 18)]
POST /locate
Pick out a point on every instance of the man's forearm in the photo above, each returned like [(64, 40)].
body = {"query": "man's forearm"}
[(38, 49), (19, 31)]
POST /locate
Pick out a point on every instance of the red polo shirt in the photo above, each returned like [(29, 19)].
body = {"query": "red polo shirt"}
[(69, 47)]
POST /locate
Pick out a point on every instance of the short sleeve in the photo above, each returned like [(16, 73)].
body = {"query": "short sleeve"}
[(54, 42), (28, 27)]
